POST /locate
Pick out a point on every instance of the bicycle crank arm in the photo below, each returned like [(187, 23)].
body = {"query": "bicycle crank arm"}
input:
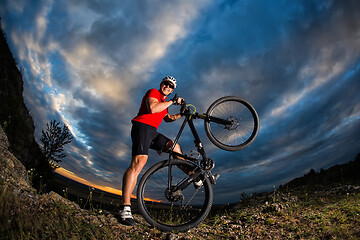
[(192, 177), (188, 181)]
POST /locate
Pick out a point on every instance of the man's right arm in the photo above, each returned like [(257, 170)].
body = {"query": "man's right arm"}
[(154, 106)]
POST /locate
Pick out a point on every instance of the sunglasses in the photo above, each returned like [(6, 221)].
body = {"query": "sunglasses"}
[(167, 84)]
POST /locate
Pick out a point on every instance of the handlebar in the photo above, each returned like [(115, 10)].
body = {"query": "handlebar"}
[(183, 107)]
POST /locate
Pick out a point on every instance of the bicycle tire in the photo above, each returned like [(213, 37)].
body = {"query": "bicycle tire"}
[(241, 134), (159, 212)]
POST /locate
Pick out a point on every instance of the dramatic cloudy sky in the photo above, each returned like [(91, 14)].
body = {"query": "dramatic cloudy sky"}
[(88, 64)]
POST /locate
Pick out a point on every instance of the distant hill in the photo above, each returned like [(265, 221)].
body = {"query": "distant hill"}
[(348, 173), (79, 193)]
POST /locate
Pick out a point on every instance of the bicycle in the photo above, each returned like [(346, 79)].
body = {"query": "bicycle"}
[(176, 194)]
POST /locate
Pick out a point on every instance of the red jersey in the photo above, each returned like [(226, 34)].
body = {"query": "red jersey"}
[(144, 115)]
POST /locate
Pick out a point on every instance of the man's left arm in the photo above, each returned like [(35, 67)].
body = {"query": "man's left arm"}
[(171, 118)]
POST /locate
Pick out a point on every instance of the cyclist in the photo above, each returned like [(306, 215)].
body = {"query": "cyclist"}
[(144, 135)]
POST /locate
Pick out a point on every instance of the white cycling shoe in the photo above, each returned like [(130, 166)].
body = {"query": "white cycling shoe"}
[(126, 217)]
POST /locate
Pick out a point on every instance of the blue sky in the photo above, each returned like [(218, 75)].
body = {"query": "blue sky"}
[(88, 64)]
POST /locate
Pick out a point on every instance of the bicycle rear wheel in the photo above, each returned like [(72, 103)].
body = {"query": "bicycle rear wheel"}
[(243, 130), (185, 210)]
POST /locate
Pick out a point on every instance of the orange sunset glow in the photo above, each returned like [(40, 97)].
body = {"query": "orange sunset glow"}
[(72, 176)]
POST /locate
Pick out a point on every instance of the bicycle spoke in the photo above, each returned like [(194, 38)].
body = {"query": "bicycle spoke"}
[(186, 205), (192, 197), (238, 112)]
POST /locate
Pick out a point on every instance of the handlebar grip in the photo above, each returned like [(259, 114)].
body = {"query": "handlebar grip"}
[(174, 99), (183, 106)]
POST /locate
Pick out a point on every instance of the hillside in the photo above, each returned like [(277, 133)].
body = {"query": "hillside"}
[(345, 174), (331, 213)]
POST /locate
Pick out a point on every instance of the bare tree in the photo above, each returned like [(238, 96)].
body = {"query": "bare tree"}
[(54, 139)]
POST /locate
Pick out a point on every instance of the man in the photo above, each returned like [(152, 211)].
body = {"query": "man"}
[(144, 135)]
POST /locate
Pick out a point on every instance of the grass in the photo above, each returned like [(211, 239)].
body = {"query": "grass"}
[(313, 216), (50, 222), (302, 213)]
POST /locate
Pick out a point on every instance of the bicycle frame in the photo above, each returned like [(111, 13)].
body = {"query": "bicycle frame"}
[(198, 144)]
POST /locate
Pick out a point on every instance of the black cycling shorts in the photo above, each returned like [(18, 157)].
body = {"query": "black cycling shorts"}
[(144, 136)]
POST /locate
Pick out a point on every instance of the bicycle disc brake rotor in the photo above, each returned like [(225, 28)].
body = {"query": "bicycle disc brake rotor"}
[(234, 123)]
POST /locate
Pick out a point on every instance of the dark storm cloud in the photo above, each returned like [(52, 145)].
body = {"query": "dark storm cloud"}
[(299, 63)]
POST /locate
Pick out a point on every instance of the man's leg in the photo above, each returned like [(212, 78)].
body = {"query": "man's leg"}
[(176, 149), (129, 183), (131, 175), (198, 182)]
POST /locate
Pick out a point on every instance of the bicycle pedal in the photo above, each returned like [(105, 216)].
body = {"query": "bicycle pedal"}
[(198, 184)]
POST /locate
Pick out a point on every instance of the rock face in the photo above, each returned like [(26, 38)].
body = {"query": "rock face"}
[(12, 171), (14, 116), (21, 205)]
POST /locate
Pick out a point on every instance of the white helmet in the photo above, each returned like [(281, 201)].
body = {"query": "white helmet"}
[(169, 79)]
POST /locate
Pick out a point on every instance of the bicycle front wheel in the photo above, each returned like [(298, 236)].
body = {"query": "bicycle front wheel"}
[(183, 209), (244, 125)]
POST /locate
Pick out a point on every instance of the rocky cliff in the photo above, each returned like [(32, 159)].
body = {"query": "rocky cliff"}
[(25, 214), (14, 116)]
